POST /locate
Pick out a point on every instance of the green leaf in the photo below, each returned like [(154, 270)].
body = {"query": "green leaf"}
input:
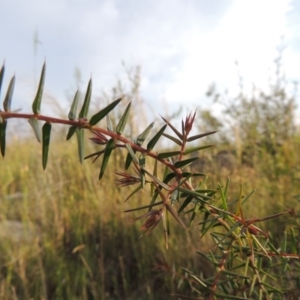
[(1, 76), (185, 179), (155, 168), (223, 197), (173, 128), (172, 175), (46, 130), (8, 97), (2, 137), (198, 136), (186, 174), (210, 193), (205, 228), (141, 138), (71, 131), (169, 176), (293, 241), (230, 231), (248, 196), (123, 120), (166, 225), (175, 197), (97, 154), (194, 213), (273, 248), (185, 203), (143, 207), (197, 195), (86, 103), (143, 177), (168, 154), (236, 275), (155, 139), (142, 161), (131, 153), (283, 242), (196, 278), (191, 150), (178, 142), (102, 113), (207, 257), (36, 105), (184, 163), (165, 186), (128, 161), (73, 110), (36, 128), (131, 194), (80, 143), (109, 147)]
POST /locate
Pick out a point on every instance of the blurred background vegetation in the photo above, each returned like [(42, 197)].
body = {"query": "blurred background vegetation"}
[(64, 234)]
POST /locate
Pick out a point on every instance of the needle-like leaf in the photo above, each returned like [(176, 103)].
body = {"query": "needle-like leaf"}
[(1, 76), (184, 163), (46, 141), (131, 194), (199, 136), (132, 154), (109, 147), (73, 110), (36, 128), (128, 161), (185, 203), (2, 136), (168, 154), (195, 149), (8, 97), (143, 207), (120, 127), (71, 131), (103, 112), (173, 128), (177, 141), (155, 139), (80, 143), (86, 103), (36, 105), (141, 138), (165, 186)]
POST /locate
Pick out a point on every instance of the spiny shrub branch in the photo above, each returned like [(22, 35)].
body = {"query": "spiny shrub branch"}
[(247, 265)]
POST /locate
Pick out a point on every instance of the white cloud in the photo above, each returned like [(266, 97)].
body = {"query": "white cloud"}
[(249, 33), (182, 45)]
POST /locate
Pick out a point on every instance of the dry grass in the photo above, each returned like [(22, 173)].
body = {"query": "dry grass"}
[(64, 234)]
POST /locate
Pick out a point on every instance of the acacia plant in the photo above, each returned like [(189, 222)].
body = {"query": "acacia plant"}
[(246, 263)]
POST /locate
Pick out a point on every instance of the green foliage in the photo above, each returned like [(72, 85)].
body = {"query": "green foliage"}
[(3, 125), (86, 103), (244, 260), (46, 142), (36, 105), (8, 97)]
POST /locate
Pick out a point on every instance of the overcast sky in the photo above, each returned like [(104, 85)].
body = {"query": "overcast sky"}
[(181, 45)]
